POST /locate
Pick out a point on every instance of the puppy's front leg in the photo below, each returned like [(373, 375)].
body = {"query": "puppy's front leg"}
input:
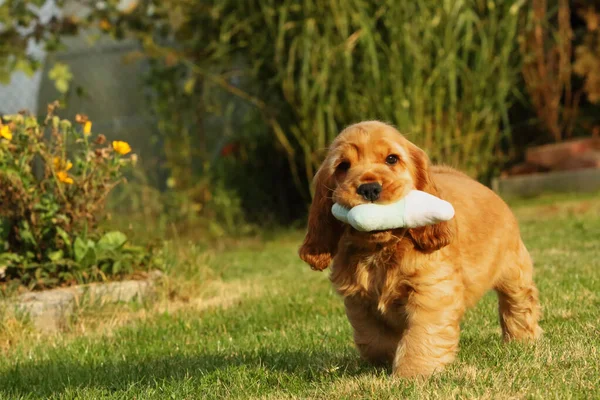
[(430, 340), (375, 341)]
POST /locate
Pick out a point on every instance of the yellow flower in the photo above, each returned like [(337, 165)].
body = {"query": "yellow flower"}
[(61, 165), (87, 128), (5, 132), (121, 147), (64, 177), (105, 24)]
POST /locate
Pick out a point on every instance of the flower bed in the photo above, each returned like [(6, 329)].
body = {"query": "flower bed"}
[(55, 177)]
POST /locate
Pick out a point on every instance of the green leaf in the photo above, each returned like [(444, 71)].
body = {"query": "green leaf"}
[(62, 76), (10, 257), (56, 255), (26, 66), (188, 86), (90, 258), (112, 241), (80, 249), (134, 250), (116, 267), (85, 252), (26, 235), (61, 85), (63, 235)]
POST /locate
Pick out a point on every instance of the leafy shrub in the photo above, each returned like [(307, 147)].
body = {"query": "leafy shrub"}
[(55, 178), (250, 163), (208, 210), (442, 72)]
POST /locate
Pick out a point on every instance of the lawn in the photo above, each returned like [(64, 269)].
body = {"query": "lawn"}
[(250, 320)]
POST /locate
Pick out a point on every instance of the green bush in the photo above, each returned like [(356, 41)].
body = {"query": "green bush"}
[(55, 178), (208, 210), (443, 73), (250, 163)]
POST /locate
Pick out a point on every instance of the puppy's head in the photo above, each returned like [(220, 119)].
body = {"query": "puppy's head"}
[(369, 162)]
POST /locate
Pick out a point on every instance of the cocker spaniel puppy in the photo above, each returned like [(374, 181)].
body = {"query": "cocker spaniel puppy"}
[(406, 290)]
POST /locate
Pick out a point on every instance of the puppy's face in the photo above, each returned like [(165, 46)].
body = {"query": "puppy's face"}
[(370, 163)]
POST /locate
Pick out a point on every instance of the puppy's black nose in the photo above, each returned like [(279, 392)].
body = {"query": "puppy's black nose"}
[(370, 191)]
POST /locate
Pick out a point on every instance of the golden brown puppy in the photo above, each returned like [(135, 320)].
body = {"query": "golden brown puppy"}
[(406, 290)]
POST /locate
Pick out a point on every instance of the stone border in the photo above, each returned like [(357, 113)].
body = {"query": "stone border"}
[(583, 180), (48, 309)]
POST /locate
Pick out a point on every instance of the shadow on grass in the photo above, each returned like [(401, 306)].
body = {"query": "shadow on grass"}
[(55, 377)]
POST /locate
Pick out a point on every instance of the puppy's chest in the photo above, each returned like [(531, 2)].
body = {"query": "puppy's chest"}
[(375, 279)]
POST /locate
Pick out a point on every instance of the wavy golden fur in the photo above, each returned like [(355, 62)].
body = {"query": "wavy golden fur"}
[(406, 290)]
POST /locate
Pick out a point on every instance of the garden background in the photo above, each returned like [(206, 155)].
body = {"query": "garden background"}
[(230, 106), (183, 135)]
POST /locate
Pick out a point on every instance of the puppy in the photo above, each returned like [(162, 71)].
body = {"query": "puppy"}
[(406, 290)]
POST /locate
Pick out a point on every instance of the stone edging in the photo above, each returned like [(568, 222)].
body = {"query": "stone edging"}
[(48, 309), (582, 180)]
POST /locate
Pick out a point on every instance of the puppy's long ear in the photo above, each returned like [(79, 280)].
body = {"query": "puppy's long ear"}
[(432, 237), (324, 231)]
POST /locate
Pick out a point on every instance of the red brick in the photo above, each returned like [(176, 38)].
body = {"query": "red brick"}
[(555, 154), (589, 159)]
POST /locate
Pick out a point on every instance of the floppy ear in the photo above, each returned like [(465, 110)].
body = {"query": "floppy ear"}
[(324, 231), (432, 237)]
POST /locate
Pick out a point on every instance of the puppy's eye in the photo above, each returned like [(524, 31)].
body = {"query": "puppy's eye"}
[(343, 166), (391, 159)]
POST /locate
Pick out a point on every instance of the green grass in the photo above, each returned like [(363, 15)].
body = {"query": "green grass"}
[(256, 322)]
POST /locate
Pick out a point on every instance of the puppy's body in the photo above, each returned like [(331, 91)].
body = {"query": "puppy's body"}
[(405, 291)]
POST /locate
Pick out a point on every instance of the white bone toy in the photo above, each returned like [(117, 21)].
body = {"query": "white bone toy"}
[(416, 209)]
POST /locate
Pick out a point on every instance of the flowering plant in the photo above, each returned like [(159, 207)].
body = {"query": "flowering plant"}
[(55, 177)]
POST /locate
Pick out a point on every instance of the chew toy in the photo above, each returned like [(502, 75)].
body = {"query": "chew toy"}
[(416, 209)]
